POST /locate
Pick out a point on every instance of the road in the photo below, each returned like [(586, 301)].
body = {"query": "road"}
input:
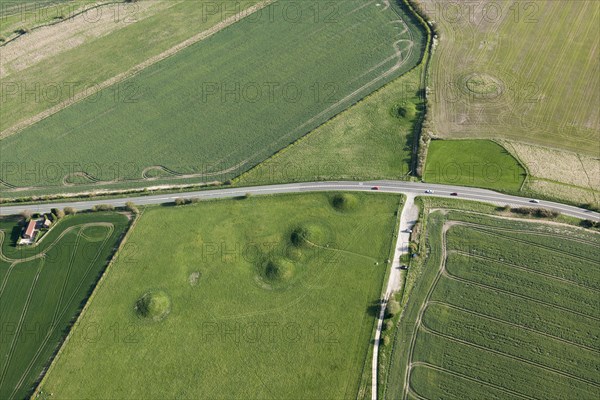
[(406, 188), (408, 219)]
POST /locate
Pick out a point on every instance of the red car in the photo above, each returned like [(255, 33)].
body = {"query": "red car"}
[(375, 188)]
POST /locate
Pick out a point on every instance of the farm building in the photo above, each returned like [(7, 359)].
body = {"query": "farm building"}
[(30, 230)]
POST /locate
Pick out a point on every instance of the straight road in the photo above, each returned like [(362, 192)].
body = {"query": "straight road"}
[(401, 187)]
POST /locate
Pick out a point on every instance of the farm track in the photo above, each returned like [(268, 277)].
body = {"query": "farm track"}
[(3, 257), (20, 324), (55, 320), (522, 268), (523, 231), (19, 126), (413, 337), (420, 325), (541, 246), (448, 275), (469, 378), (431, 331)]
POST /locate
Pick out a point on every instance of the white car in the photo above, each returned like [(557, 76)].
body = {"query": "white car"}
[(429, 191), (408, 230)]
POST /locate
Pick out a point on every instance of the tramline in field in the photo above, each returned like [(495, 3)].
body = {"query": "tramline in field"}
[(205, 113), (504, 309)]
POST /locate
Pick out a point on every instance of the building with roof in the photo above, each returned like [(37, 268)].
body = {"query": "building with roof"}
[(30, 231)]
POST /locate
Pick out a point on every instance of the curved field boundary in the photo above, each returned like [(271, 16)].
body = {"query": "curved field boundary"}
[(524, 231), (57, 316), (451, 338), (69, 334), (522, 268), (3, 257), (20, 324), (442, 271), (448, 275), (514, 325), (469, 378), (135, 70), (538, 245)]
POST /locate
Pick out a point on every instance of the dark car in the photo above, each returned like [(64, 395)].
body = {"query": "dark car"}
[(454, 194), (375, 188), (404, 267)]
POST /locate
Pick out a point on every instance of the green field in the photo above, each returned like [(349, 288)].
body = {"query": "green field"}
[(263, 297), (479, 163), (368, 141), (202, 112), (504, 309), (525, 71), (108, 42), (42, 289)]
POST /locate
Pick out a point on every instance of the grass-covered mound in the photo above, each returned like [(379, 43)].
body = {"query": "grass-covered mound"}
[(154, 305), (277, 271), (310, 234), (316, 314), (344, 202), (407, 111)]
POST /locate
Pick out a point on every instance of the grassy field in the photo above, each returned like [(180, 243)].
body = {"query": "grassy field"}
[(490, 317), (264, 297), (42, 289), (202, 112), (479, 163), (48, 66), (521, 71), (370, 140)]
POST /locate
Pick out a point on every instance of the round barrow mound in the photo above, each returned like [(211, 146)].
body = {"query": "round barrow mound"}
[(309, 234), (154, 305), (344, 202), (278, 271), (483, 85), (405, 111)]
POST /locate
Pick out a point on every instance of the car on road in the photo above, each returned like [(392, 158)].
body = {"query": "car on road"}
[(408, 230), (375, 188), (454, 194), (404, 267), (429, 191), (534, 201)]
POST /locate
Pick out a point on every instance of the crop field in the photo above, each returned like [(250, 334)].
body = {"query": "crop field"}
[(479, 163), (19, 14), (504, 309), (203, 113), (368, 141), (50, 67), (260, 297), (557, 173), (525, 71), (42, 288)]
